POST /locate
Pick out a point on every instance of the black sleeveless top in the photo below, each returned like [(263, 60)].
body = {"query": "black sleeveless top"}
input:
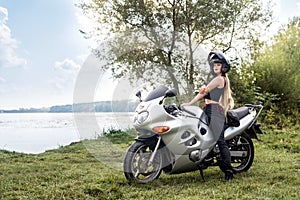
[(216, 93)]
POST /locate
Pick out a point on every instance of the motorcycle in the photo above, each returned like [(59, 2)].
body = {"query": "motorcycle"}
[(177, 139)]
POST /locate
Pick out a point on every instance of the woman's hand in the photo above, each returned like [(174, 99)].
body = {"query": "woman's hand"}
[(185, 104), (203, 90)]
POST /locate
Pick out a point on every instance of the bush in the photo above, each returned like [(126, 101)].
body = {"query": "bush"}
[(118, 136)]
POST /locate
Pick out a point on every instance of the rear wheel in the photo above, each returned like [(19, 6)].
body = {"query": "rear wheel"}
[(242, 153), (137, 166)]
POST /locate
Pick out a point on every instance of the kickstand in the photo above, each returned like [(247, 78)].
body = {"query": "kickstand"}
[(201, 173)]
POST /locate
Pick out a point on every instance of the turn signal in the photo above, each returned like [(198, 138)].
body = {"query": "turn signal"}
[(160, 129)]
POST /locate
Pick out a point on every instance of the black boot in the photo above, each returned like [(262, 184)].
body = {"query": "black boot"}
[(229, 175)]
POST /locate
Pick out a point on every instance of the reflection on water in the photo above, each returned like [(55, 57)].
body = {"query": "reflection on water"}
[(37, 132)]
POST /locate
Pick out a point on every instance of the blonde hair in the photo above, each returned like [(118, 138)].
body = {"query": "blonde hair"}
[(226, 100)]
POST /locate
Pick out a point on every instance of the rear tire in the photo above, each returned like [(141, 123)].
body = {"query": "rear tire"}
[(243, 143), (136, 166)]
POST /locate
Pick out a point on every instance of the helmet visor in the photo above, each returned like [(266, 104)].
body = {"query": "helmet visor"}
[(216, 61)]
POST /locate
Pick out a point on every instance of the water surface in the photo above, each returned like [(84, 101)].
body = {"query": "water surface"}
[(38, 132)]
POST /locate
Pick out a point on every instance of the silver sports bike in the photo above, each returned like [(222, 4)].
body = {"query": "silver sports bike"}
[(178, 139)]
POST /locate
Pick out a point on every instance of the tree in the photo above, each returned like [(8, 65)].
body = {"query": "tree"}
[(161, 40), (278, 71)]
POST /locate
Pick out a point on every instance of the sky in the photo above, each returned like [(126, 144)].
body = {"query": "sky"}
[(42, 50)]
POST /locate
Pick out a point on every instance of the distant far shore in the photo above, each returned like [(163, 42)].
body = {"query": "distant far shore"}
[(101, 106)]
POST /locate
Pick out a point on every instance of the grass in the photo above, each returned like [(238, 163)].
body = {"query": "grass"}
[(75, 172)]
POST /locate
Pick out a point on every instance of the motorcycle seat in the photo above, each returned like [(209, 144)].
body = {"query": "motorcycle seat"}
[(240, 112), (234, 116)]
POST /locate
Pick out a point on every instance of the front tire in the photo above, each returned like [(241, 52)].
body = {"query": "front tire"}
[(136, 167)]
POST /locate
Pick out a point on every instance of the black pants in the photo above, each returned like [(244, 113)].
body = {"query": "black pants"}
[(216, 120)]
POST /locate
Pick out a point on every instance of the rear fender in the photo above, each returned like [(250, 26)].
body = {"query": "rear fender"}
[(254, 130)]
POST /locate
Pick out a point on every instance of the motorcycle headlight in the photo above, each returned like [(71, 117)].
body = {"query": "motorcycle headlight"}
[(141, 117)]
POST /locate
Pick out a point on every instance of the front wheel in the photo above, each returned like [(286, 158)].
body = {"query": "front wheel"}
[(137, 166)]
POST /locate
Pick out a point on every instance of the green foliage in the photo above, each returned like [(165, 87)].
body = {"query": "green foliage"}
[(158, 40), (287, 140), (71, 172), (278, 66), (273, 118), (278, 77), (117, 136), (242, 79)]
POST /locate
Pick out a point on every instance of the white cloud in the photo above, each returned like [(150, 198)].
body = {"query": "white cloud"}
[(66, 71), (8, 45), (67, 65), (80, 59), (3, 15), (2, 80)]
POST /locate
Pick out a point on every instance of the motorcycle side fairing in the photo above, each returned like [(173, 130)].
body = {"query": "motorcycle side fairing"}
[(189, 140), (231, 132), (198, 142)]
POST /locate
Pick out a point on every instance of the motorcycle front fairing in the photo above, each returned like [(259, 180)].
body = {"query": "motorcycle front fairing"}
[(181, 139)]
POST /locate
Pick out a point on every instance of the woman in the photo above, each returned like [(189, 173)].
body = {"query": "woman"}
[(218, 101)]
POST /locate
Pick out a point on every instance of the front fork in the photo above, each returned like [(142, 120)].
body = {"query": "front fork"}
[(156, 144), (154, 152)]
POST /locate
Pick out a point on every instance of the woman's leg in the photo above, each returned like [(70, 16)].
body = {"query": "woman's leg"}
[(216, 120), (226, 157)]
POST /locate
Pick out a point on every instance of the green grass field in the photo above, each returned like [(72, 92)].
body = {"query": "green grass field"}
[(73, 172)]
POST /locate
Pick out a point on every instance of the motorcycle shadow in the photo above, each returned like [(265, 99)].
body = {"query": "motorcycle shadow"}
[(210, 176)]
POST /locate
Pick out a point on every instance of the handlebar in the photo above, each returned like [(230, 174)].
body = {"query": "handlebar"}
[(185, 110)]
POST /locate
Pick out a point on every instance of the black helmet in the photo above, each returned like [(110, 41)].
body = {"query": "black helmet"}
[(218, 57)]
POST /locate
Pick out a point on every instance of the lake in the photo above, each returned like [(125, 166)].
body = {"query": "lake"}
[(38, 132)]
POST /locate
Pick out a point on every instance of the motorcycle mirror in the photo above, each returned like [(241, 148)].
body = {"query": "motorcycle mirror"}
[(171, 92)]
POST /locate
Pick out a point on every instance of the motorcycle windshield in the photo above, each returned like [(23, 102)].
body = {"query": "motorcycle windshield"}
[(158, 92)]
